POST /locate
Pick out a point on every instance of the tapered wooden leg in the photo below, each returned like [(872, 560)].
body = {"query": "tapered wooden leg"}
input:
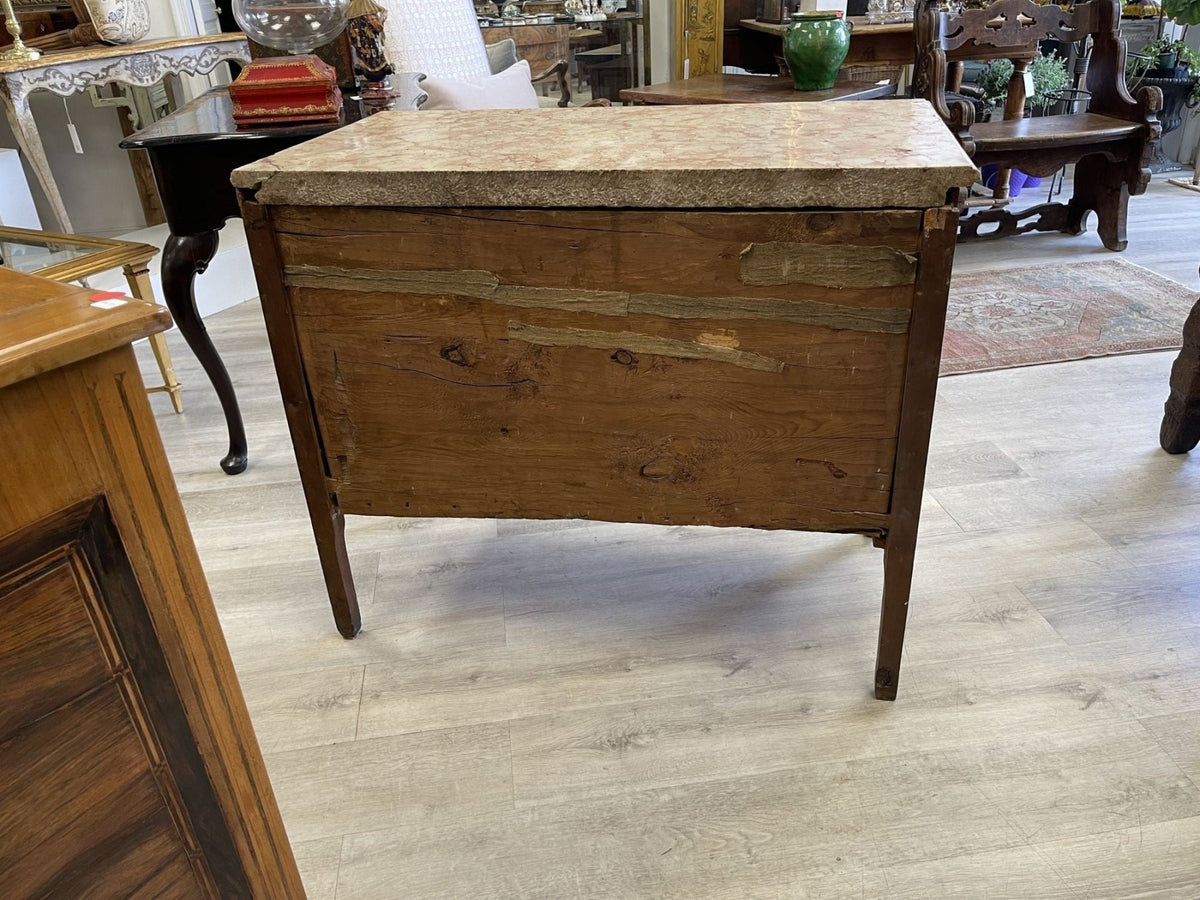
[(898, 554), (912, 448), (138, 278), (162, 356), (328, 524), (329, 528), (1180, 431)]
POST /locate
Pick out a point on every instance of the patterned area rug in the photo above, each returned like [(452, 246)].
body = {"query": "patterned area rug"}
[(1006, 318)]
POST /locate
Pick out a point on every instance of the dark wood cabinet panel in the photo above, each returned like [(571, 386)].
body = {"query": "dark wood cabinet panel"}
[(128, 766), (100, 768)]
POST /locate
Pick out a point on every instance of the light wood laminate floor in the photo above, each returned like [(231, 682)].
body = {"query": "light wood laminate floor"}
[(582, 710)]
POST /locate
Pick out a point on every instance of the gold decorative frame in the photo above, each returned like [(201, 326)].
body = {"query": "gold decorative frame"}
[(106, 253)]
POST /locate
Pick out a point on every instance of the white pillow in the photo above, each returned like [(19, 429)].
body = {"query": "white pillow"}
[(510, 89)]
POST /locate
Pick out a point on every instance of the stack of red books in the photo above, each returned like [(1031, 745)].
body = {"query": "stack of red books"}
[(286, 90)]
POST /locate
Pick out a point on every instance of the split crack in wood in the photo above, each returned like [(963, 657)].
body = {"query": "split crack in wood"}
[(499, 384), (485, 285), (640, 343)]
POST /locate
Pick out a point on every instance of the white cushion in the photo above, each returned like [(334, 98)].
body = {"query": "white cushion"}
[(510, 89), (502, 54), (439, 38)]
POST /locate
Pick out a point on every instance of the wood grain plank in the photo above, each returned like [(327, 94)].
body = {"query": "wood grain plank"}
[(739, 446), (695, 253), (77, 785), (323, 794), (487, 286), (48, 650), (780, 262)]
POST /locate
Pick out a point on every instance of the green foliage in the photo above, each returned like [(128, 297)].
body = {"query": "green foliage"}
[(1185, 12), (1151, 52), (1147, 59), (1049, 75)]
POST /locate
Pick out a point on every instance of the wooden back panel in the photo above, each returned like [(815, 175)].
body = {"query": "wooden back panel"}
[(666, 367), (1017, 24)]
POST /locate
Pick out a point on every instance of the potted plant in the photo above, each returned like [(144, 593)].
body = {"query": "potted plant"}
[(1174, 67), (1174, 59), (1049, 76)]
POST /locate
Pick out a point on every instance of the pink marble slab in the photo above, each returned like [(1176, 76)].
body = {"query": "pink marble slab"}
[(870, 155)]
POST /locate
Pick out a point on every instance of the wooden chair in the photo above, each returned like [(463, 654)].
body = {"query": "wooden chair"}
[(1109, 144)]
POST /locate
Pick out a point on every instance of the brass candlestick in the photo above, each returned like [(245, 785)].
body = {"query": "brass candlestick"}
[(18, 50)]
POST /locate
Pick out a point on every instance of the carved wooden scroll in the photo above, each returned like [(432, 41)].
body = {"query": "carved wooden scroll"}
[(1016, 23)]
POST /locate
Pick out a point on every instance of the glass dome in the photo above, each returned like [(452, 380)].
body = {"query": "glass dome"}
[(295, 26)]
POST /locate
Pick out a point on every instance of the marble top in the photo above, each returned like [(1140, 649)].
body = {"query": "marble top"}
[(862, 155)]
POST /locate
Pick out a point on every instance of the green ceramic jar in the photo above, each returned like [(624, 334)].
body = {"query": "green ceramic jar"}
[(815, 44)]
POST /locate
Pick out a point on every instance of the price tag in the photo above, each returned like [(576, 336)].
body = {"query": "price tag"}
[(108, 299), (1029, 90), (71, 130)]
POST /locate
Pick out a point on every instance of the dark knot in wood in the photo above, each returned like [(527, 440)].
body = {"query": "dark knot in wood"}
[(454, 355), (663, 467), (624, 358)]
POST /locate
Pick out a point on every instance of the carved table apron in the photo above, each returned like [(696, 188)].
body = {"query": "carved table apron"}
[(74, 71)]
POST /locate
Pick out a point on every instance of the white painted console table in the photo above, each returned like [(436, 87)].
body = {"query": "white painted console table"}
[(74, 71)]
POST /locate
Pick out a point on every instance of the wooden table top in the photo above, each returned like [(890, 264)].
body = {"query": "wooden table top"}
[(46, 324), (727, 88)]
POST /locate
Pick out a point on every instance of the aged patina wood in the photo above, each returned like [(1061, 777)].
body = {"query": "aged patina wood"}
[(728, 360)]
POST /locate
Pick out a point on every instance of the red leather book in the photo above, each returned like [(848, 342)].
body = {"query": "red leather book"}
[(286, 90)]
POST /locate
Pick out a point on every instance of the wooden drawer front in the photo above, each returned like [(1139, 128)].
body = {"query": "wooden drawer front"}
[(540, 44), (727, 368), (98, 773)]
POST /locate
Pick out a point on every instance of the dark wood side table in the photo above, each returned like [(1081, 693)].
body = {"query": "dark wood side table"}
[(726, 88), (193, 151)]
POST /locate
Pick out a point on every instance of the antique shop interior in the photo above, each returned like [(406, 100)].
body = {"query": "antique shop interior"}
[(600, 448)]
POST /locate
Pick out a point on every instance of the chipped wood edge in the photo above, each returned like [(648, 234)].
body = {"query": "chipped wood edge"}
[(848, 266)]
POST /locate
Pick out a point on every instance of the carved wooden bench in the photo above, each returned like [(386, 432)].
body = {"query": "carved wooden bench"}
[(1109, 144)]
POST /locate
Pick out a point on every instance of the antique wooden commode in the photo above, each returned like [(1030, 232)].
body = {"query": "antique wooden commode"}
[(720, 316)]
